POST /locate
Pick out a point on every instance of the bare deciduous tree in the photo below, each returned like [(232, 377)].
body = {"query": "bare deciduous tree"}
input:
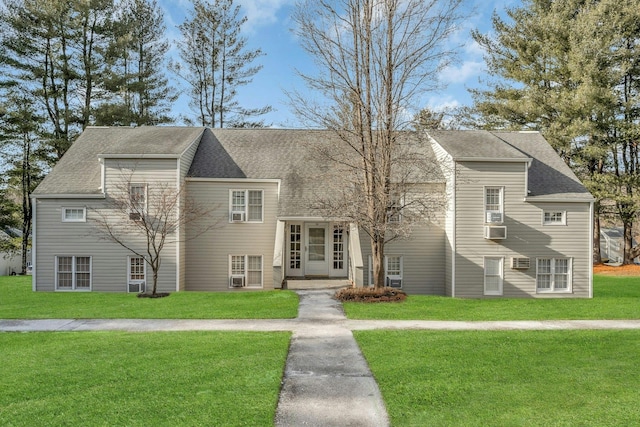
[(375, 58), (144, 217)]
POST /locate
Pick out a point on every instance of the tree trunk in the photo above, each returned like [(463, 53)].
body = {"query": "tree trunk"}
[(377, 255), (628, 243), (597, 256)]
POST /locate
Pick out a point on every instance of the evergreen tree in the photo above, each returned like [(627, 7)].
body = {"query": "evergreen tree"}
[(19, 140), (52, 50), (137, 56), (558, 70), (216, 62)]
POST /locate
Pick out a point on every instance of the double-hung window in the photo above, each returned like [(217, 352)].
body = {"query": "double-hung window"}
[(554, 218), (137, 200), (553, 275), (245, 271), (73, 273), (493, 204), (246, 206), (392, 270), (74, 215)]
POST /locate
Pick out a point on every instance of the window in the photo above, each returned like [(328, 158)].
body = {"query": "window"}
[(338, 247), (137, 274), (138, 200), (493, 276), (553, 275), (245, 270), (554, 218), (394, 211), (295, 241), (393, 270), (74, 215), (493, 204), (73, 273), (245, 205)]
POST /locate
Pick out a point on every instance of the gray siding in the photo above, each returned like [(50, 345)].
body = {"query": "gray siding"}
[(109, 260), (207, 263), (526, 236), (184, 164), (422, 256)]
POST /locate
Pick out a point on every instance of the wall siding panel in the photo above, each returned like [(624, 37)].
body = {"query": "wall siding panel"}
[(207, 254), (526, 236)]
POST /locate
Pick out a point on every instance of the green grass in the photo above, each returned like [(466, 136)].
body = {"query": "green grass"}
[(149, 379), (515, 378), (18, 301), (614, 298)]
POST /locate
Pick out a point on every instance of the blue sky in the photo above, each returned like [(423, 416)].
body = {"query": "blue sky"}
[(268, 27)]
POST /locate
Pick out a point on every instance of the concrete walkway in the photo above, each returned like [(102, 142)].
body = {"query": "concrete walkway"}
[(327, 381)]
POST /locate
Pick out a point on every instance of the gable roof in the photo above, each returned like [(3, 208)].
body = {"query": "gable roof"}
[(550, 178), (475, 145), (78, 172)]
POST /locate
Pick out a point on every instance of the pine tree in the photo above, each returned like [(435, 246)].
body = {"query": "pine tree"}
[(140, 93), (216, 62)]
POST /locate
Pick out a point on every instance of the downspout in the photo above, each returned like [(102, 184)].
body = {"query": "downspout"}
[(34, 265), (591, 208), (453, 231), (180, 194)]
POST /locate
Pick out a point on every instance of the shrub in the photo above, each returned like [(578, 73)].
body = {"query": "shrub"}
[(370, 295)]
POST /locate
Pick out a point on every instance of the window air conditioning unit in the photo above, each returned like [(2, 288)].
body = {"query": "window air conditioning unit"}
[(394, 281), (495, 232), (137, 287), (237, 216), (520, 263), (237, 282), (494, 217), (134, 216)]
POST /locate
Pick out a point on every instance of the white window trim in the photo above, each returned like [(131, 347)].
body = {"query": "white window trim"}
[(144, 263), (394, 211), (73, 273), (370, 276), (246, 270), (484, 274), (551, 223), (246, 205), (484, 202), (64, 214), (552, 289), (146, 196)]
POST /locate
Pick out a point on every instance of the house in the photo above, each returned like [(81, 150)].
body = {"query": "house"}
[(11, 263), (516, 221)]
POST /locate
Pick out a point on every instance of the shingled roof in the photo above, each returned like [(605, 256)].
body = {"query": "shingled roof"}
[(78, 172), (292, 156), (550, 178)]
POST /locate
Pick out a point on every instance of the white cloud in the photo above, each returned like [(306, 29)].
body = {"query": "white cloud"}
[(261, 13), (442, 103), (462, 73)]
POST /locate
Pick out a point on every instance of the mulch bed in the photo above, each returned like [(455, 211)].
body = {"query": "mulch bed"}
[(621, 270), (370, 295)]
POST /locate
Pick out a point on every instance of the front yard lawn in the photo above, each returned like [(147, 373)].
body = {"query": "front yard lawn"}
[(18, 301), (141, 379), (614, 298), (507, 378)]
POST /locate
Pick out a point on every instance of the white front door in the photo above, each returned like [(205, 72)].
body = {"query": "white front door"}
[(316, 250)]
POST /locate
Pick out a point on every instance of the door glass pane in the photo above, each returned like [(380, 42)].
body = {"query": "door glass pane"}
[(316, 244)]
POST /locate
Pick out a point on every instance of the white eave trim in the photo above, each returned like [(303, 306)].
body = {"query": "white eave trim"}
[(495, 160), (557, 200), (68, 196), (243, 180), (138, 156), (307, 218)]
